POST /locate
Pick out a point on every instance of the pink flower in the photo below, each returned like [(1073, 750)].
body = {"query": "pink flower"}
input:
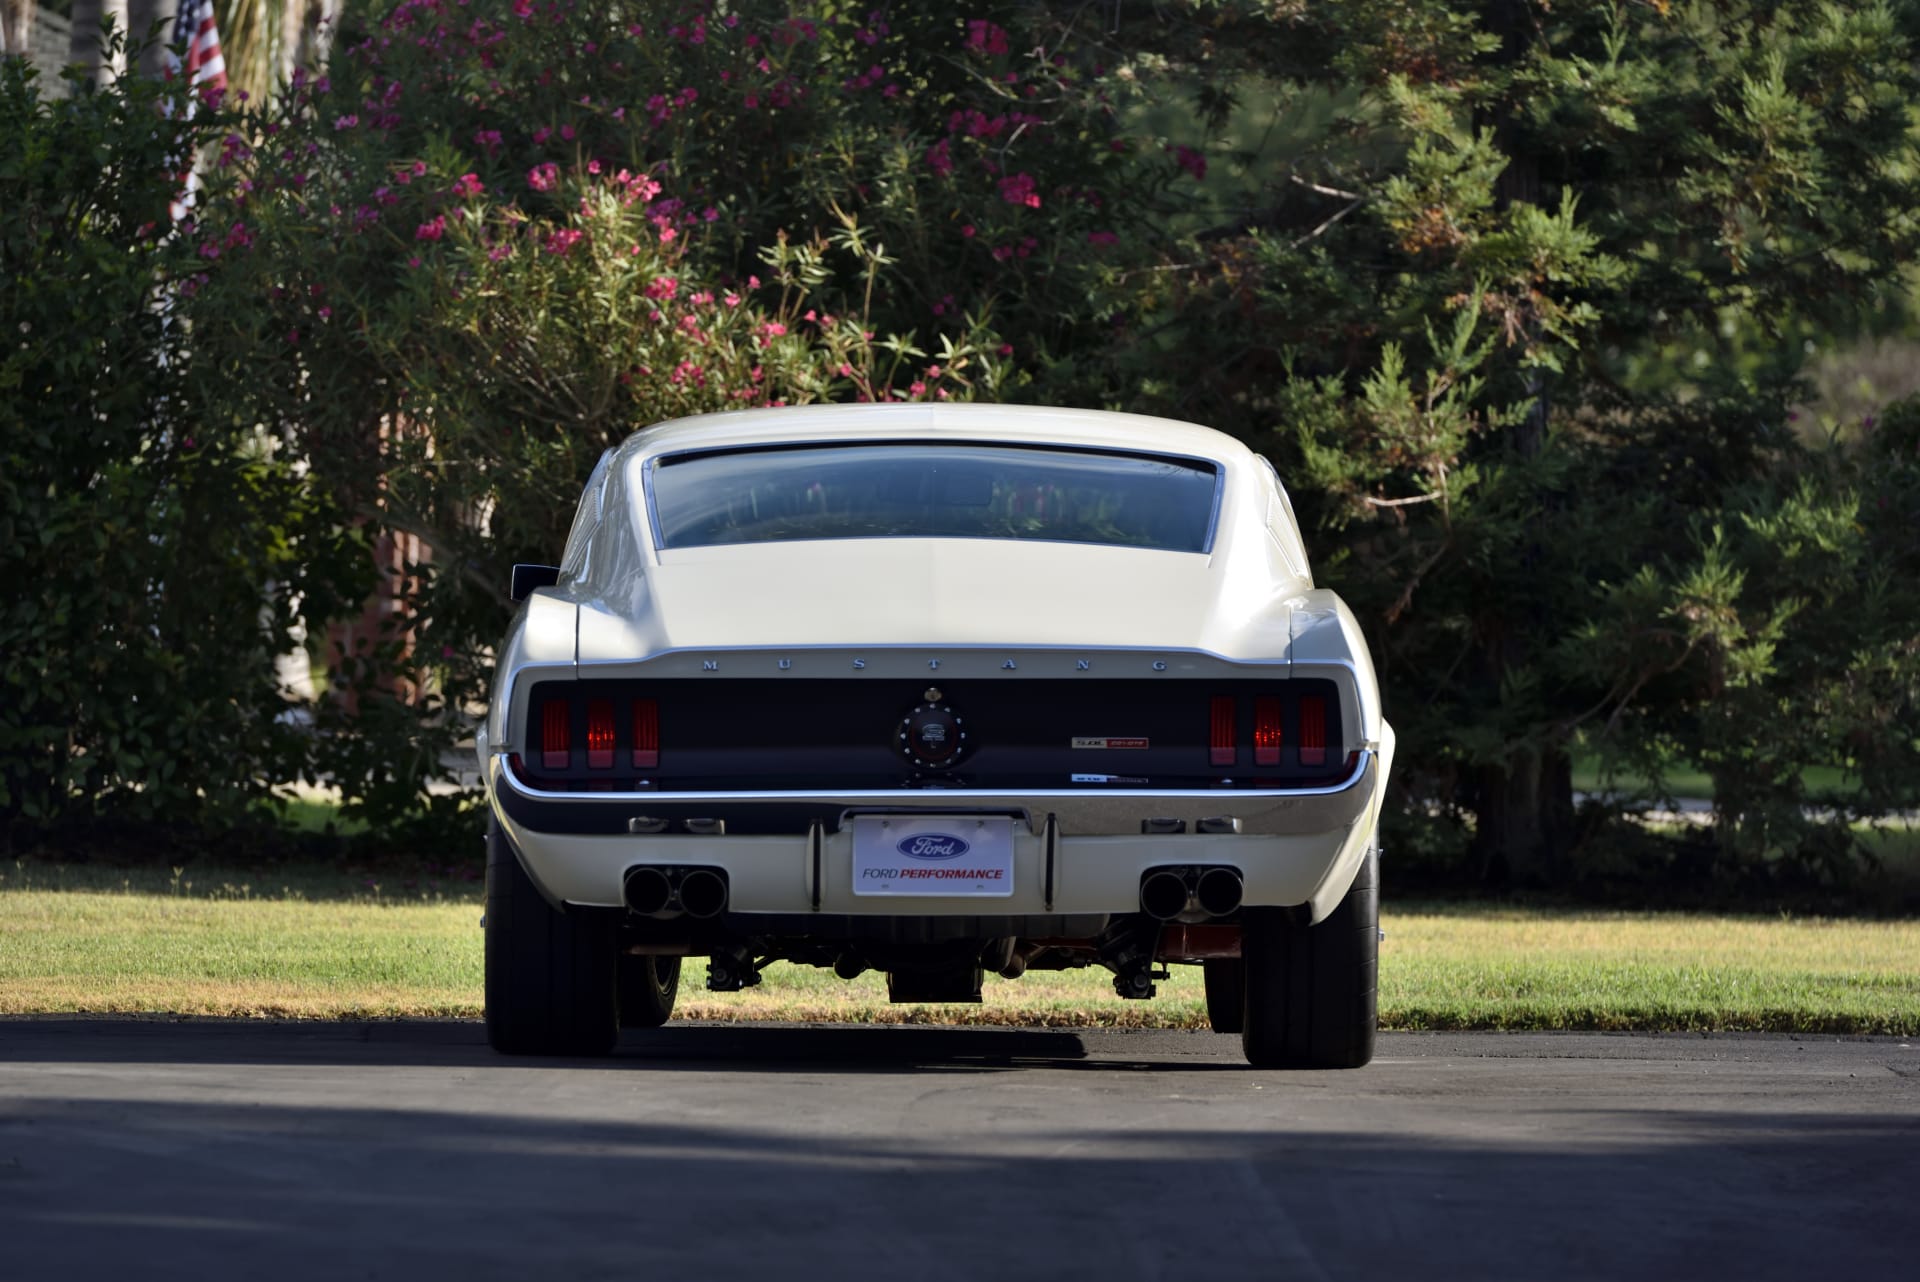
[(1018, 190), (541, 135), (966, 231), (1103, 238), (773, 329), (916, 388), (663, 287), (1191, 161), (939, 159), (560, 242), (487, 138), (344, 122), (468, 185), (986, 37), (543, 177), (433, 230)]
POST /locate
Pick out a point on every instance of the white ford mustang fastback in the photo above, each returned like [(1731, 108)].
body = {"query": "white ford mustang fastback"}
[(935, 691)]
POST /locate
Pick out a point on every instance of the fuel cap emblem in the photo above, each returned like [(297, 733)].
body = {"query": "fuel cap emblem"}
[(931, 736)]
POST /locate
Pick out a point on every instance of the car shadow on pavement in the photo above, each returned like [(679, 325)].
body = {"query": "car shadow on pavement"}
[(692, 1048)]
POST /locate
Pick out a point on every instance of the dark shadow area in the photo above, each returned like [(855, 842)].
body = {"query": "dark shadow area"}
[(693, 1048), (414, 1176)]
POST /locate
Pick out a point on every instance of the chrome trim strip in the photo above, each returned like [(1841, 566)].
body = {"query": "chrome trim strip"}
[(946, 651), (969, 797)]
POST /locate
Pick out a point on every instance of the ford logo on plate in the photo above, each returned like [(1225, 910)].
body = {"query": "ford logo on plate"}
[(932, 845)]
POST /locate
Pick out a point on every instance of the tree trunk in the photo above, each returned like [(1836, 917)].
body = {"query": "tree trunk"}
[(1523, 807), (150, 24), (86, 47), (16, 27), (306, 35), (1524, 813)]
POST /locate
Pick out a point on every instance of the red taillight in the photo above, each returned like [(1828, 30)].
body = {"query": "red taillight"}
[(646, 734), (556, 735), (1223, 744), (599, 734), (1313, 730), (1267, 736)]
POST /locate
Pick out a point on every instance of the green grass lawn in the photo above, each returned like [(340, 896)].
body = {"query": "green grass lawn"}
[(1687, 782), (319, 945)]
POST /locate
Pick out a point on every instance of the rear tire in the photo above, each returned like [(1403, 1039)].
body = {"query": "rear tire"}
[(1226, 993), (549, 974), (1312, 999), (648, 987)]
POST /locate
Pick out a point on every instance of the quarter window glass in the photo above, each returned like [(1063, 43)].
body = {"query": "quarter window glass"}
[(933, 491)]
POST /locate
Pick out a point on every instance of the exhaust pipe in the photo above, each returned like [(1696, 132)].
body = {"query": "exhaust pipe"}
[(703, 893), (648, 892), (1219, 891), (1164, 895)]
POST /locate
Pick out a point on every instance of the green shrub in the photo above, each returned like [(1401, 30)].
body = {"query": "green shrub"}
[(153, 554)]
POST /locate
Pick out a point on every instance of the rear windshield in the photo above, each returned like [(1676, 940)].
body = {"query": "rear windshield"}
[(936, 491)]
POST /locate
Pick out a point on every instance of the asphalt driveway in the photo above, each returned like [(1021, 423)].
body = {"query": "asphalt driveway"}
[(142, 1149)]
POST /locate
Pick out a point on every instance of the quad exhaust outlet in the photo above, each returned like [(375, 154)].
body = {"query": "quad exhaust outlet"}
[(1170, 893), (670, 892)]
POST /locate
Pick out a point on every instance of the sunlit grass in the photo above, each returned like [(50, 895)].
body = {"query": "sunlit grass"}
[(320, 945)]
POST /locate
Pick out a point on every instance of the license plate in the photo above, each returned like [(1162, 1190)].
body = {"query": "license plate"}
[(952, 855)]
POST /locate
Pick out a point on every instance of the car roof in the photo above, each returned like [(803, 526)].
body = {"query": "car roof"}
[(1025, 424)]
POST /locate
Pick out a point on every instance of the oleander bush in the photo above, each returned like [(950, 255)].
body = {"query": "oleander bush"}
[(498, 237)]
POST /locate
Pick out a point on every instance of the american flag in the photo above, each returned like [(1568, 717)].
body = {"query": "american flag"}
[(204, 68)]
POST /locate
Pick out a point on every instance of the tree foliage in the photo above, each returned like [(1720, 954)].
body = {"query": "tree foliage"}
[(153, 556), (1517, 295), (1490, 288)]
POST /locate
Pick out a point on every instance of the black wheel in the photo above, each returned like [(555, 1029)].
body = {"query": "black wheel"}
[(549, 975), (1311, 999), (648, 986), (1226, 993)]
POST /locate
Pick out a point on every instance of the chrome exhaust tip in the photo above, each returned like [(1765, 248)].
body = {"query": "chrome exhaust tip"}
[(703, 893), (648, 891), (1164, 894), (1219, 891)]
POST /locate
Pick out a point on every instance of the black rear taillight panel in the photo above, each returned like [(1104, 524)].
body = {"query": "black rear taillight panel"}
[(802, 734)]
